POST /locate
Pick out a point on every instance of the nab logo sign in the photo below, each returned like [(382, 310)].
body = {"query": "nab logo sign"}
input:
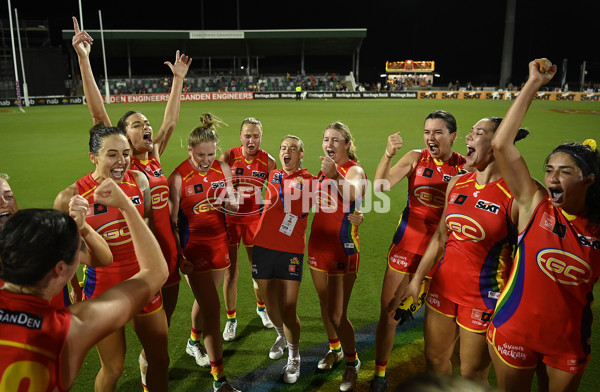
[(564, 267), (487, 206)]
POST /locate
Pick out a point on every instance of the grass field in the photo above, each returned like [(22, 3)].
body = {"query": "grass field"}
[(45, 150)]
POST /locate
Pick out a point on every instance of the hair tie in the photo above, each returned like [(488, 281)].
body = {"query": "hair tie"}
[(591, 143)]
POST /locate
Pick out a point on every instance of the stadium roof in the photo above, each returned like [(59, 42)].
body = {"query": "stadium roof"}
[(230, 43)]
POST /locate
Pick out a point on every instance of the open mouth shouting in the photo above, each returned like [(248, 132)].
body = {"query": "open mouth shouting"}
[(331, 154), (147, 136), (434, 148), (117, 174), (470, 151), (556, 194)]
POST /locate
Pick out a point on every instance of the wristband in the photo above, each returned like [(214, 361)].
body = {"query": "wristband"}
[(387, 154)]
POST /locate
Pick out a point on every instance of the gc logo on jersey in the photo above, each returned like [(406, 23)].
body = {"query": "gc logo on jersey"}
[(205, 206), (114, 234), (465, 228), (239, 171), (564, 267), (160, 196)]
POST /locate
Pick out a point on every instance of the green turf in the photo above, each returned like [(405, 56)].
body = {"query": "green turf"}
[(45, 150)]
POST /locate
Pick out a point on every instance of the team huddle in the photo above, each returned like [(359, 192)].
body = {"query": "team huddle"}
[(498, 256)]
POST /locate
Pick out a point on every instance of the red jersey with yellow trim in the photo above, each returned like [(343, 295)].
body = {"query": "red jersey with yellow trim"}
[(478, 253), (201, 217), (426, 193), (32, 342), (248, 178), (288, 200), (110, 224), (546, 304), (159, 191), (330, 226)]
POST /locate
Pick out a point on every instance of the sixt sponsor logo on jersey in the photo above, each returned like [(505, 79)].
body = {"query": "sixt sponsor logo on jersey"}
[(258, 174), (158, 173), (465, 228), (160, 196), (23, 319), (564, 267), (217, 184), (588, 241), (487, 206), (136, 200), (429, 196)]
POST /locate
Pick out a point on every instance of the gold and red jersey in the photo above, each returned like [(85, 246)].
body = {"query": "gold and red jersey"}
[(110, 224)]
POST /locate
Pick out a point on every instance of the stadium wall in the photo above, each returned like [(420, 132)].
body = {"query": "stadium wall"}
[(228, 96)]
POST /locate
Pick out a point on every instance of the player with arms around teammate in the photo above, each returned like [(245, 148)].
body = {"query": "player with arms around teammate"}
[(474, 243), (250, 166), (146, 151), (428, 172), (42, 346), (543, 319)]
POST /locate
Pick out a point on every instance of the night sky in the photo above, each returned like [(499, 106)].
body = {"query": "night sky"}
[(464, 38)]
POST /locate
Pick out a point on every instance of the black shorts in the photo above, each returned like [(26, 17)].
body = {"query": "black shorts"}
[(274, 264)]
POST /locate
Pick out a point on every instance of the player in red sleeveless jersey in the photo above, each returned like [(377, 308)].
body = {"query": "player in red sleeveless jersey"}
[(428, 172), (42, 347), (146, 150), (333, 247), (250, 167), (543, 319), (109, 152), (201, 194), (475, 239)]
